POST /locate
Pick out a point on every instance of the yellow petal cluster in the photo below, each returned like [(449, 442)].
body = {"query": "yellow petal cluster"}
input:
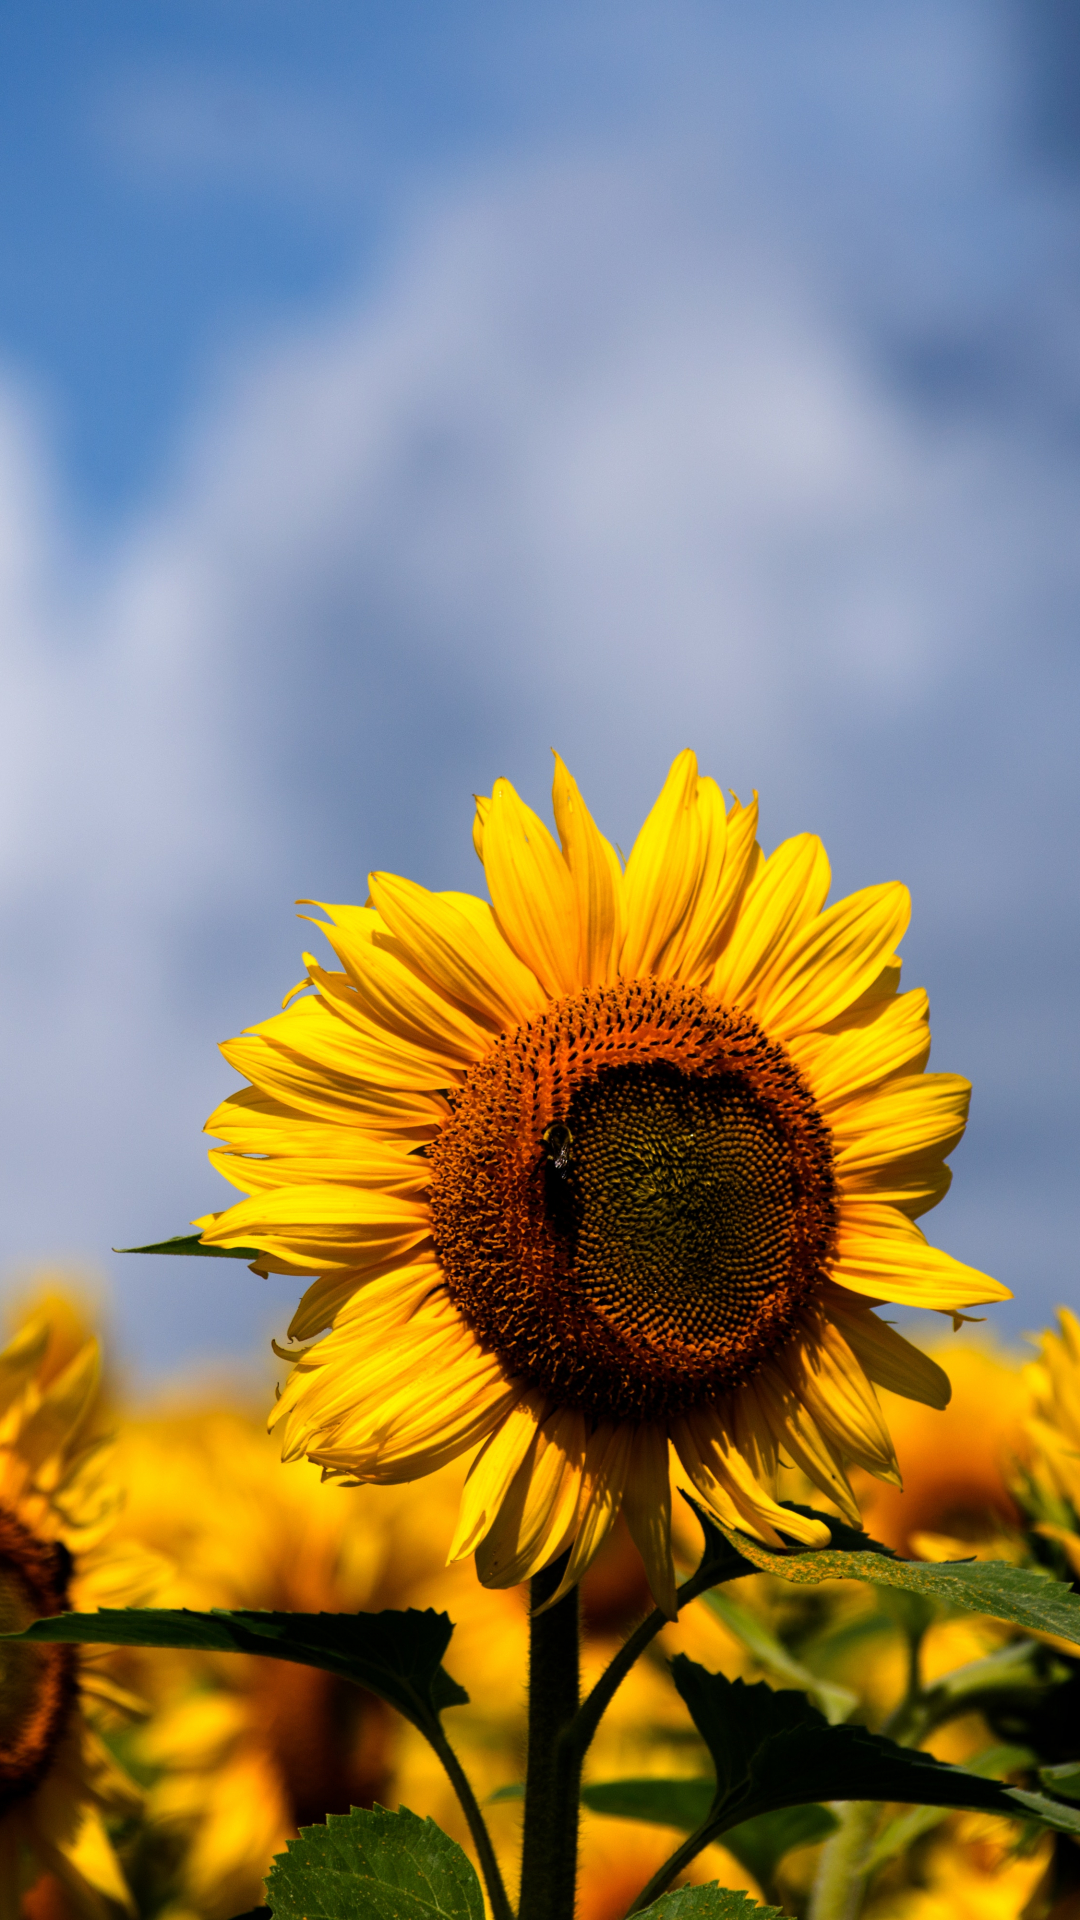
[(351, 1085), (58, 1485)]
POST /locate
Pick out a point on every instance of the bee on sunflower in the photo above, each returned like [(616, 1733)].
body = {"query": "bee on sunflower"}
[(59, 1785), (621, 1162)]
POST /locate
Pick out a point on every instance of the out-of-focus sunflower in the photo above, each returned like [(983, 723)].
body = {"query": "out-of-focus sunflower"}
[(624, 1158), (59, 1785), (1052, 1431), (956, 1465)]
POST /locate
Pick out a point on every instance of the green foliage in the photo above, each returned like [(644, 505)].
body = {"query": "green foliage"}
[(707, 1903), (775, 1750), (665, 1803), (836, 1703), (1063, 1779), (396, 1655), (189, 1243), (758, 1844), (374, 1866), (1024, 1596)]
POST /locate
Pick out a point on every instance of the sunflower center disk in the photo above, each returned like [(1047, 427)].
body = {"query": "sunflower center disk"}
[(37, 1683), (633, 1198)]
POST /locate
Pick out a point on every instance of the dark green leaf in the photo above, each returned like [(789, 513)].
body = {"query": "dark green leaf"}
[(1063, 1779), (396, 1655), (898, 1834), (776, 1750), (1021, 1595), (707, 1903), (836, 1703), (758, 1844), (374, 1866), (665, 1803), (191, 1244)]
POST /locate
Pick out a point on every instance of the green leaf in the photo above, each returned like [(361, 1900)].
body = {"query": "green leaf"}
[(776, 1750), (898, 1834), (665, 1803), (713, 1902), (396, 1655), (191, 1244), (836, 1703), (374, 1866), (1022, 1595), (1063, 1779), (758, 1844)]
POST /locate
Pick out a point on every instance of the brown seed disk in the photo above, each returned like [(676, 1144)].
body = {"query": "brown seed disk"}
[(38, 1684), (633, 1199)]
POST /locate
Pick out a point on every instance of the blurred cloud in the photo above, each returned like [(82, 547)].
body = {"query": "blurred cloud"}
[(607, 459)]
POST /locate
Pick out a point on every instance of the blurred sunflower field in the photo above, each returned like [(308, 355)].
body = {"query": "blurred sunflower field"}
[(183, 1773)]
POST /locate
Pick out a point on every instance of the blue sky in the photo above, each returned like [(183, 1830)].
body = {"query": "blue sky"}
[(389, 393)]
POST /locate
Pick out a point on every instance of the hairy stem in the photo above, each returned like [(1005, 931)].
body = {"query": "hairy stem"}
[(596, 1703), (674, 1864), (553, 1766), (481, 1839), (842, 1873)]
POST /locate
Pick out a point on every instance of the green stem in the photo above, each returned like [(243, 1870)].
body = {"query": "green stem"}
[(842, 1871), (481, 1839), (553, 1766), (596, 1703), (674, 1864)]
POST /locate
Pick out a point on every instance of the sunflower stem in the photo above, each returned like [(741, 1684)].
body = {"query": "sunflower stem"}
[(596, 1703), (674, 1864), (553, 1765), (489, 1866)]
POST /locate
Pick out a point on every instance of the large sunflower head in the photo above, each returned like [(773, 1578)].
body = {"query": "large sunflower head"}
[(622, 1160), (58, 1782)]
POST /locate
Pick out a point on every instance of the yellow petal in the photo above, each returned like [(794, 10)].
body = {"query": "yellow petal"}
[(913, 1185), (906, 1116), (381, 1283), (326, 1094), (325, 1226), (826, 1377), (63, 1407), (73, 1842), (882, 1255), (350, 1049), (886, 1357), (603, 1484), (826, 966), (890, 1038), (532, 891), (596, 881), (663, 870), (647, 1509), (704, 1445), (488, 1480), (787, 894), (379, 992), (459, 948), (802, 1443), (538, 1512), (690, 953), (371, 1163), (21, 1357), (254, 1121)]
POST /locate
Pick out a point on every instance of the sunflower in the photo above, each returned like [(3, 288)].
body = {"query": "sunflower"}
[(1052, 1432), (623, 1159), (58, 1782)]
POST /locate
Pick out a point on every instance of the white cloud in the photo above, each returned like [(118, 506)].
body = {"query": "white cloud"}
[(594, 466)]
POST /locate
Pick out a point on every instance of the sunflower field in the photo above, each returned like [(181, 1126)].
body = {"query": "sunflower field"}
[(606, 1550)]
